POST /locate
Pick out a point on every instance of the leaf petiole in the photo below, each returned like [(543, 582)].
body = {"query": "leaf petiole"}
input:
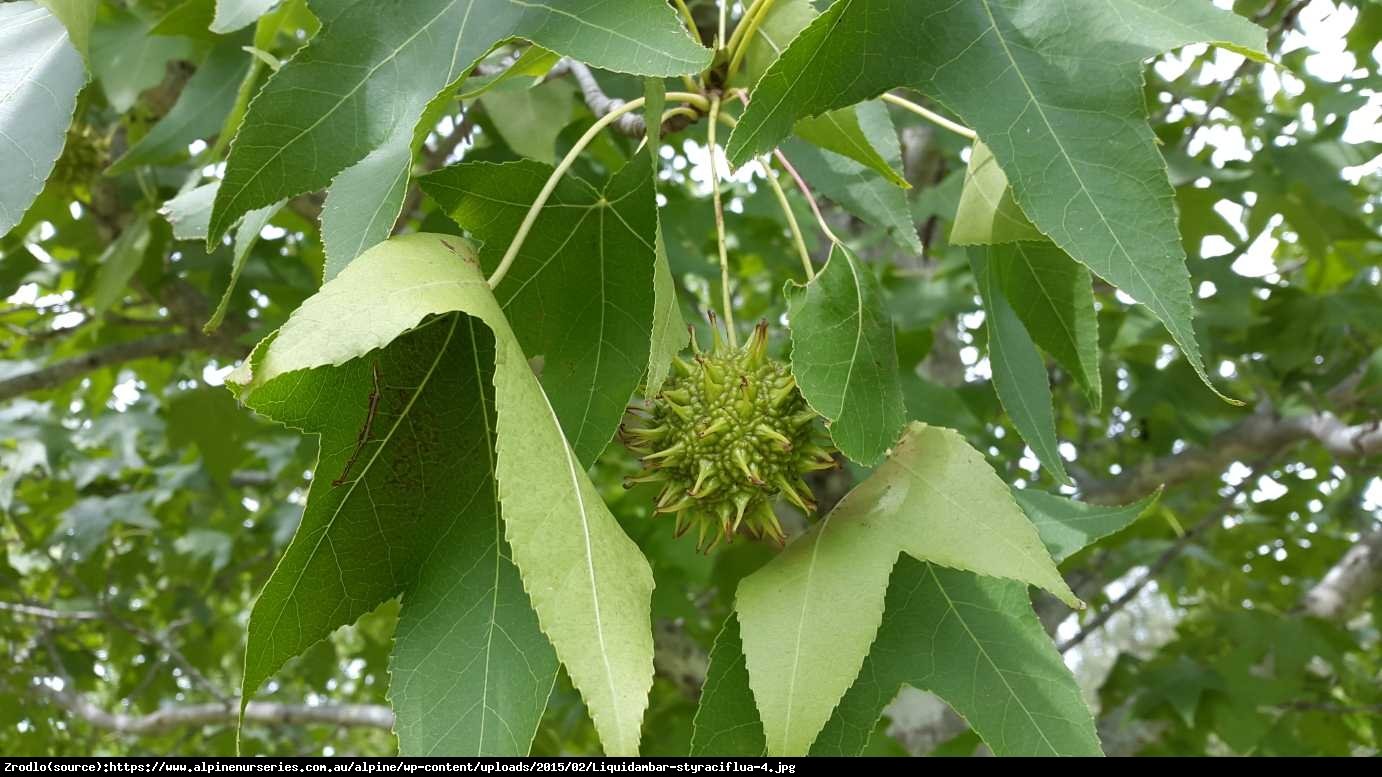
[(720, 221), (690, 20), (806, 192), (744, 32), (930, 115), (791, 217), (787, 213)]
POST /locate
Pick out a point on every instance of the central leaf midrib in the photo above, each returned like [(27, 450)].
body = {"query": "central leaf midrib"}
[(858, 329)]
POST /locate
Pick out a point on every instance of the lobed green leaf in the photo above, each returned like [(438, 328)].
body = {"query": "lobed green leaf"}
[(844, 356), (374, 67), (1060, 107), (588, 583)]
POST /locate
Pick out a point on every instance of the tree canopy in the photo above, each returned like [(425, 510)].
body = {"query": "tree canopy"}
[(1031, 402)]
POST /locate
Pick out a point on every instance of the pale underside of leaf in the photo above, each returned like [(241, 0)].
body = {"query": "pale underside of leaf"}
[(40, 75), (585, 577), (809, 616), (992, 622)]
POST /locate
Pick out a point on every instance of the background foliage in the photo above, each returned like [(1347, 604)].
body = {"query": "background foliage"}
[(145, 509)]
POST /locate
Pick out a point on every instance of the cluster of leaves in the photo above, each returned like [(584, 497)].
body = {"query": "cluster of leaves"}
[(462, 534)]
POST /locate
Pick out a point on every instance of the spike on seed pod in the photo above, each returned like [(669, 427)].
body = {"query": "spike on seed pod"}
[(772, 434), (710, 486), (707, 468), (717, 343), (711, 388), (681, 504), (757, 349), (647, 476), (715, 426), (742, 461), (666, 452), (645, 433), (727, 436)]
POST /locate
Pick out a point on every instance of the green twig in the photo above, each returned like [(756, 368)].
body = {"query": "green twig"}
[(690, 20), (806, 192), (720, 221), (720, 38), (792, 225), (930, 115), (744, 32)]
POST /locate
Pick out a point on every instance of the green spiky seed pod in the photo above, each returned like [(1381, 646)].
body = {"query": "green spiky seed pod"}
[(728, 433)]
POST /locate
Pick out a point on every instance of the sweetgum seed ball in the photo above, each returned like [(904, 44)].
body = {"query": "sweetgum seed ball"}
[(728, 433)]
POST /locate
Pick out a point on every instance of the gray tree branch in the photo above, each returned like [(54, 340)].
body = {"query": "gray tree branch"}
[(1350, 582), (1256, 438), (630, 124), (678, 658), (1213, 518), (182, 716), (49, 614), (60, 372)]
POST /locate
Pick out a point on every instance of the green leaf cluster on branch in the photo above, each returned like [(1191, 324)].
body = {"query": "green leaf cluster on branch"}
[(451, 434), (464, 382)]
